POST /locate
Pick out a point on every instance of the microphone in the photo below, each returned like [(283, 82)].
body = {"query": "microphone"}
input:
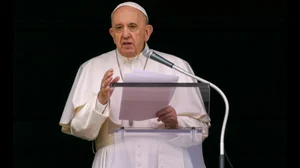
[(151, 54), (154, 56)]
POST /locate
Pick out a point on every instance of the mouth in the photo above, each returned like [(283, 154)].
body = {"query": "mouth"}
[(126, 43)]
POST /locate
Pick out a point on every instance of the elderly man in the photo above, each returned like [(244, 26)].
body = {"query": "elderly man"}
[(92, 109)]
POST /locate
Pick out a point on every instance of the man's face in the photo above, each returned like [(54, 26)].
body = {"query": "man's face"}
[(129, 31)]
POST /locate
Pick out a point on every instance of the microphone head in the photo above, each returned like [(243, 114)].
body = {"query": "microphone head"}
[(147, 52), (154, 56)]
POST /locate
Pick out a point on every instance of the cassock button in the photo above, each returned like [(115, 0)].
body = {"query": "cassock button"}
[(139, 154), (139, 164)]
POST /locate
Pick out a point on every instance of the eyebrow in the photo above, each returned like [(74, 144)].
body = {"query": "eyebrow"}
[(118, 24)]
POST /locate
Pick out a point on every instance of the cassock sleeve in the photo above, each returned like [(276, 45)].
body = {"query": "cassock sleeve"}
[(83, 114), (87, 122), (194, 100), (188, 102)]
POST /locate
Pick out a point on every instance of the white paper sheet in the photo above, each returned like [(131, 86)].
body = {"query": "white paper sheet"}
[(142, 103)]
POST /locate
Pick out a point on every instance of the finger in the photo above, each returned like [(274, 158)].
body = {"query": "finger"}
[(106, 82), (170, 123), (115, 80), (165, 117), (108, 73), (168, 119), (110, 70), (163, 111)]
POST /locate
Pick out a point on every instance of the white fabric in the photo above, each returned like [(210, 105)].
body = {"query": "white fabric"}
[(88, 79), (147, 153), (88, 121), (134, 5)]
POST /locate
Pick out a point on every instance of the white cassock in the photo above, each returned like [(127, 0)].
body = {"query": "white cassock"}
[(86, 118)]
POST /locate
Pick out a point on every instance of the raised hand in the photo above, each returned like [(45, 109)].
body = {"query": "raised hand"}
[(105, 90)]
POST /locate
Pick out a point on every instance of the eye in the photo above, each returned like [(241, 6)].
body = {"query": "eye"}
[(118, 28), (132, 27)]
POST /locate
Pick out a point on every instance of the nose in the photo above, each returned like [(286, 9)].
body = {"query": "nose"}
[(126, 32)]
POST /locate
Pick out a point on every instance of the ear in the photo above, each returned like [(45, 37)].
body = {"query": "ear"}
[(149, 30), (111, 32)]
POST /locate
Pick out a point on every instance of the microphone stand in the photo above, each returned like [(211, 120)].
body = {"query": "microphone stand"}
[(221, 158)]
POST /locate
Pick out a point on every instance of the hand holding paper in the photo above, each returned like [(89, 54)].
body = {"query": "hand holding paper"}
[(142, 103)]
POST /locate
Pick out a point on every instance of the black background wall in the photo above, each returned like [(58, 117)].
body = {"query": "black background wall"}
[(238, 45)]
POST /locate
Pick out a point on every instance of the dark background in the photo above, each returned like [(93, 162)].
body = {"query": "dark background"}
[(238, 45)]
